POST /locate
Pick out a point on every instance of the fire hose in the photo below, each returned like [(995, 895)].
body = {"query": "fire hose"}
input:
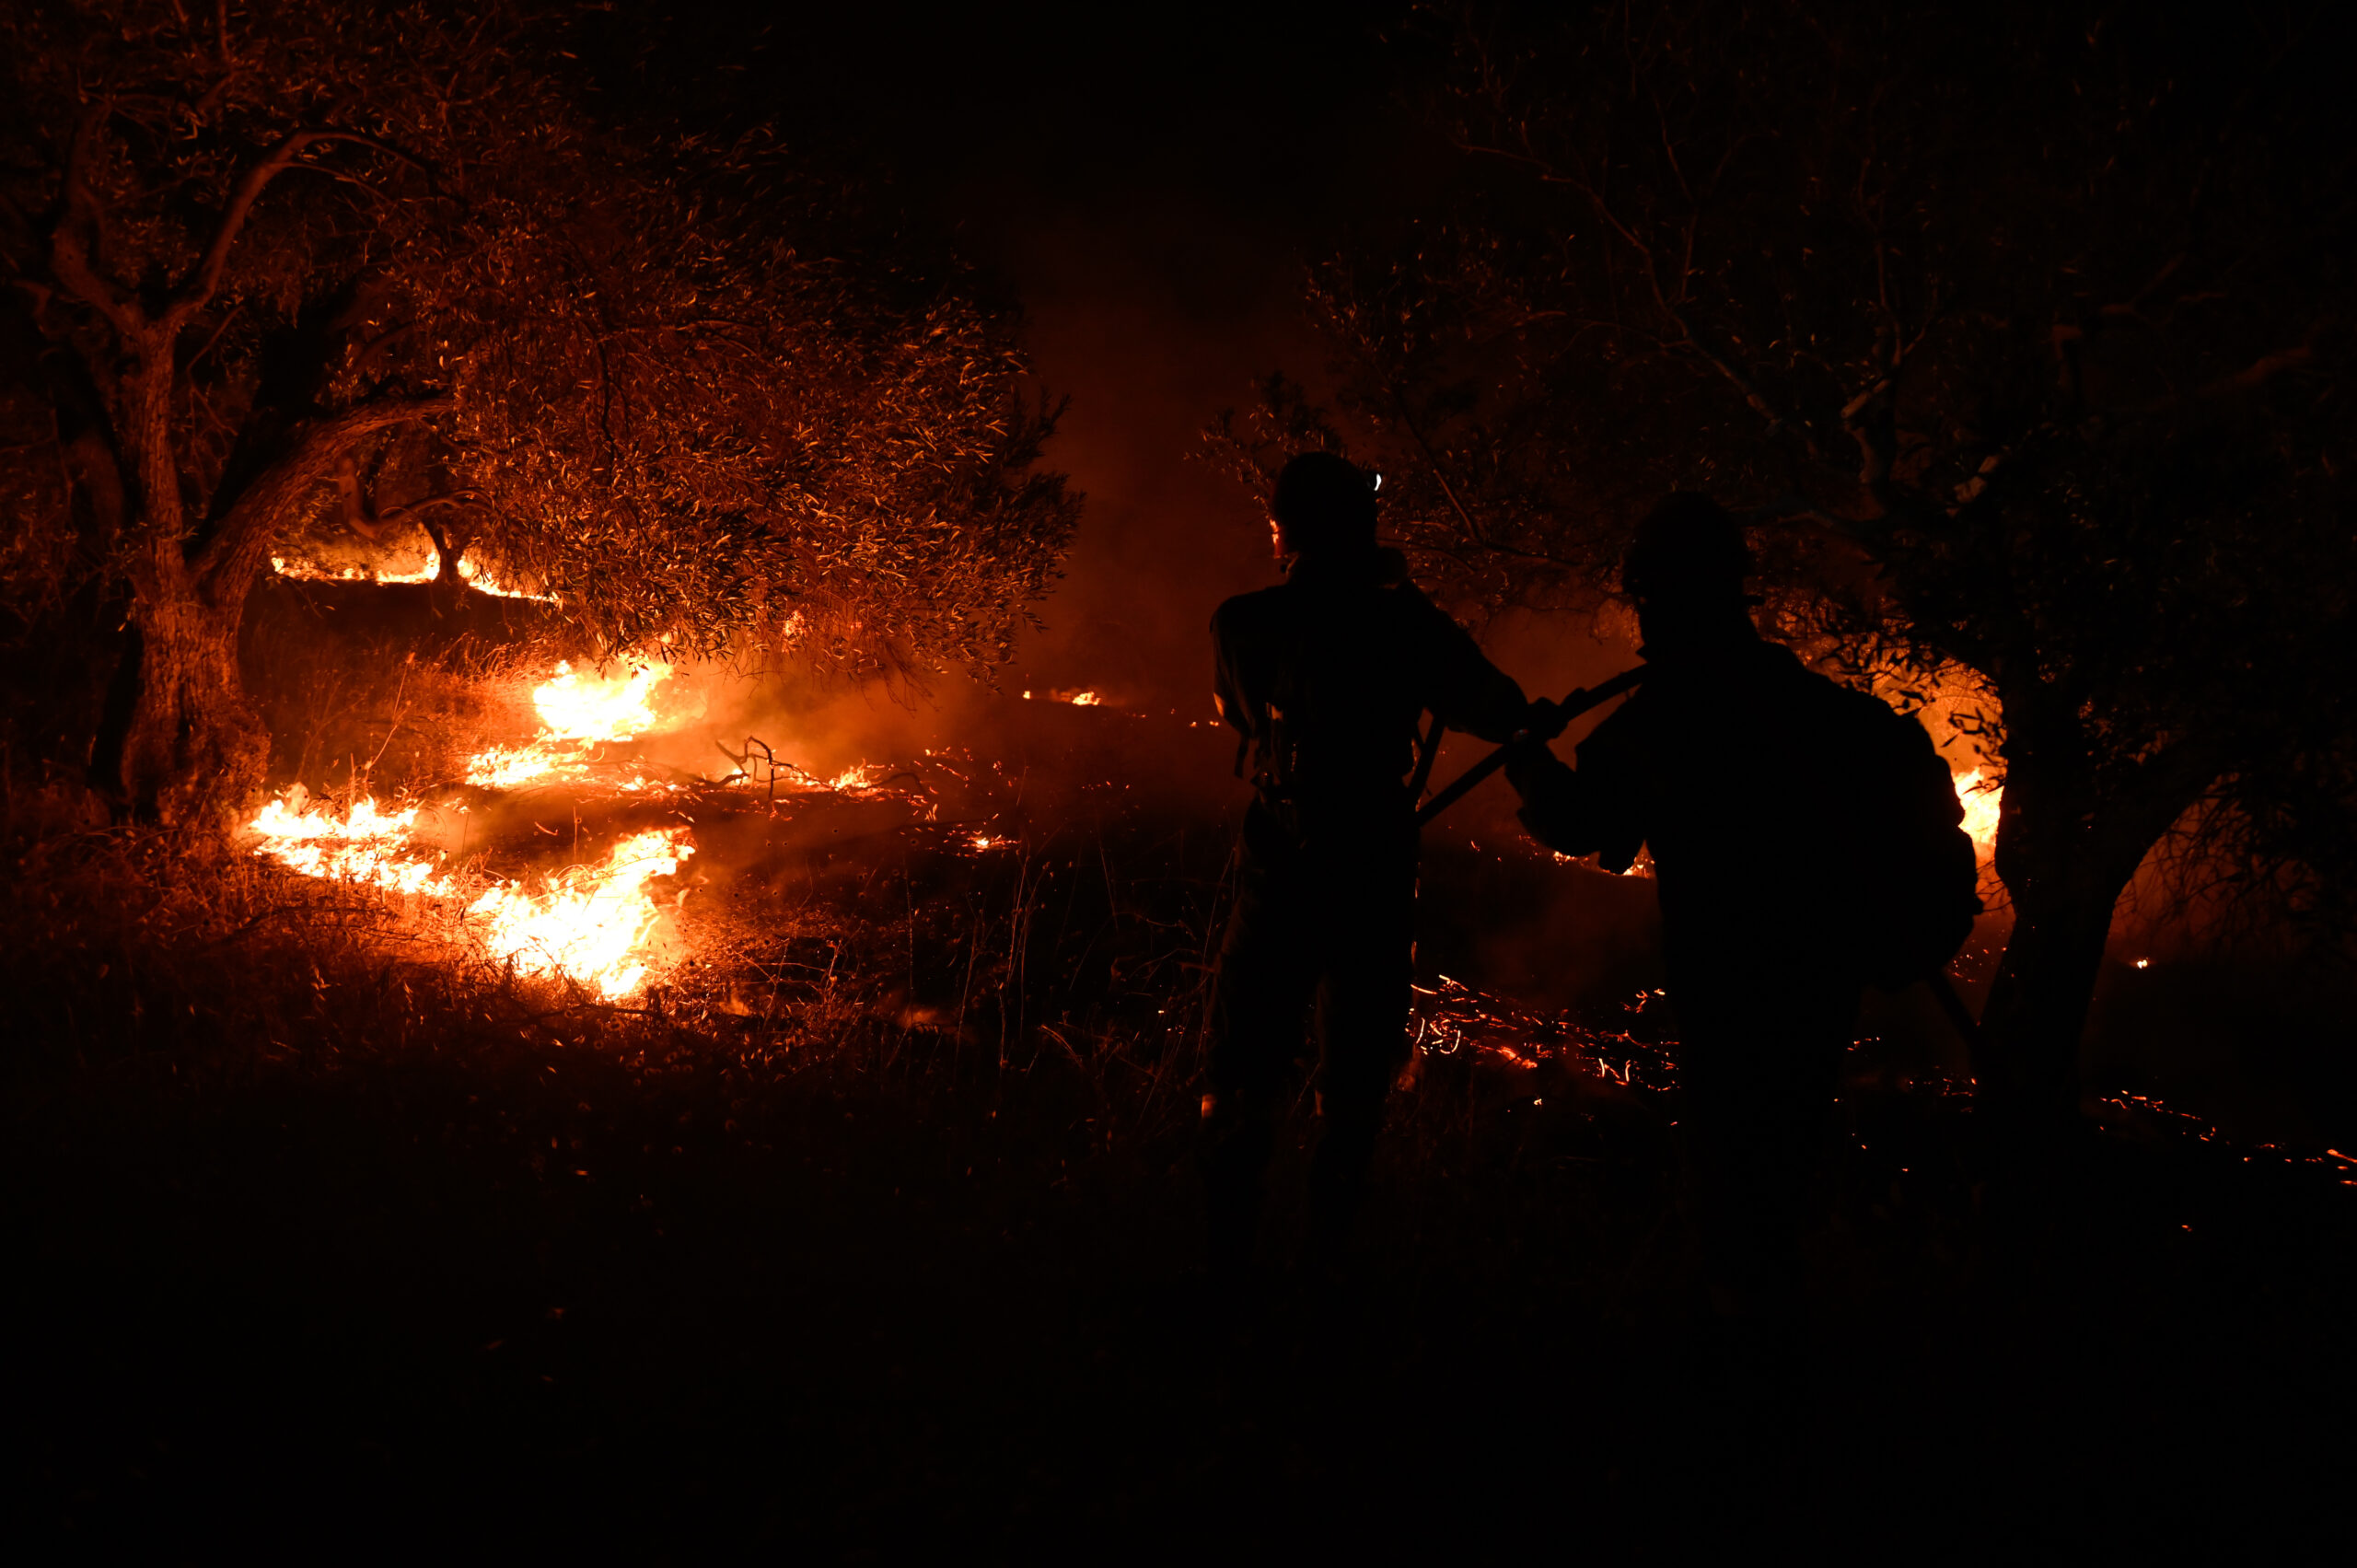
[(1952, 1007), (1570, 708)]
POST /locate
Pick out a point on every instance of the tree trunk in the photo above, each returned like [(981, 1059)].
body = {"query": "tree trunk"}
[(193, 748), (2036, 1011), (2066, 850), (190, 745)]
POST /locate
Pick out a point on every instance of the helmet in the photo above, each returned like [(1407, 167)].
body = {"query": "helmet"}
[(1325, 502), (1688, 547)]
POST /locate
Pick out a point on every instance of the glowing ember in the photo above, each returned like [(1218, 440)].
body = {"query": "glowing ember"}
[(592, 923), (1981, 802)]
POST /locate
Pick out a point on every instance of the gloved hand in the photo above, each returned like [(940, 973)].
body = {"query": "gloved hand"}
[(1544, 719)]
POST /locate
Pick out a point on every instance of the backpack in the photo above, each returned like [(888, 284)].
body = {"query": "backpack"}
[(1915, 877)]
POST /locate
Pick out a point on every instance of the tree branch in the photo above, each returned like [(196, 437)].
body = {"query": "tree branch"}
[(1472, 530), (193, 295), (439, 498), (233, 554), (69, 257), (1547, 174), (2260, 371), (2157, 794)]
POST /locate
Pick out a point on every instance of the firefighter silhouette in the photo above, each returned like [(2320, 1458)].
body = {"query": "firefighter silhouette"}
[(1805, 841), (1327, 676)]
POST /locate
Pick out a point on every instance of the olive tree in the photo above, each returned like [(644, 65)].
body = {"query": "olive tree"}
[(271, 262)]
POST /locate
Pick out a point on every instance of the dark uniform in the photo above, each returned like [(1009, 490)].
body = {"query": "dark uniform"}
[(1756, 785), (1327, 675)]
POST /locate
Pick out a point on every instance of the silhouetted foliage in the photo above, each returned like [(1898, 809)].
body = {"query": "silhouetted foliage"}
[(2029, 326), (284, 274)]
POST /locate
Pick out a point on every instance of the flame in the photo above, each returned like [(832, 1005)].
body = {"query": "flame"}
[(483, 583), (592, 923), (591, 707), (1980, 802), (285, 819), (364, 846), (427, 569), (576, 712), (476, 577)]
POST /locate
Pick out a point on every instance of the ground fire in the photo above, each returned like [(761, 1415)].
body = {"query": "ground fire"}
[(594, 923), (578, 714), (585, 923)]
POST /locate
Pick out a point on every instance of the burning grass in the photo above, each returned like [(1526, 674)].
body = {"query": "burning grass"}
[(594, 923)]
